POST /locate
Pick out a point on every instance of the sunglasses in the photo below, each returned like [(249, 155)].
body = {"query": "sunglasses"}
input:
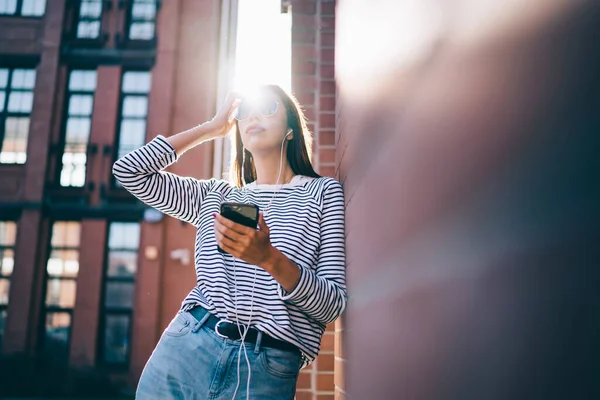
[(265, 107)]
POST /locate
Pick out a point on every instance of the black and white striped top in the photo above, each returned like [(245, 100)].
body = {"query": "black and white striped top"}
[(306, 221)]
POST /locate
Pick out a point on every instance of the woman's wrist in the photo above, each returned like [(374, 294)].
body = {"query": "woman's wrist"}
[(285, 272), (272, 259)]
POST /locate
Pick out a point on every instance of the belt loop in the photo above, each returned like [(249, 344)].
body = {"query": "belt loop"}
[(259, 336), (201, 322)]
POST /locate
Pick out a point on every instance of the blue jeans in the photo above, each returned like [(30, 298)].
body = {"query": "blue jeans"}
[(192, 362)]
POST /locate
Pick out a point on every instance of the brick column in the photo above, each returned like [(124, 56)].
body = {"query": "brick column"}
[(21, 324), (84, 332), (313, 84), (146, 324), (104, 121)]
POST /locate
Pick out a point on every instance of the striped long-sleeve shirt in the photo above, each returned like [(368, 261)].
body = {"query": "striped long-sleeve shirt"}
[(306, 223)]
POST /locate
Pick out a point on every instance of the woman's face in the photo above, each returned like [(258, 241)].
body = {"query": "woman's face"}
[(261, 132)]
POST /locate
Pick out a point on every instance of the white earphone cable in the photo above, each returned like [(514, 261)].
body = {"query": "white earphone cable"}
[(247, 327)]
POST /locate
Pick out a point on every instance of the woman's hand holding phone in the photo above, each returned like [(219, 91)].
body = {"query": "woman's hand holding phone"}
[(248, 244), (254, 246)]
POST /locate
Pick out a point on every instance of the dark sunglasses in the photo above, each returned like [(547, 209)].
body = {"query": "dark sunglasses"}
[(265, 107)]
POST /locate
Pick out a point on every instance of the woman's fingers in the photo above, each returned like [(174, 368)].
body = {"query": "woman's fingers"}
[(227, 232), (262, 224), (237, 228), (233, 110), (224, 241)]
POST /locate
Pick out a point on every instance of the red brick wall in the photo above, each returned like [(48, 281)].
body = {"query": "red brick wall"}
[(313, 24)]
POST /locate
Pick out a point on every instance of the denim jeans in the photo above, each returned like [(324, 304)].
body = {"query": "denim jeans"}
[(192, 362)]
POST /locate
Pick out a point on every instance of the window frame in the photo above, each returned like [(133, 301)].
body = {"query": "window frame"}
[(61, 145), (46, 309), (126, 40), (19, 11), (3, 247), (102, 37), (5, 113), (106, 311), (118, 133)]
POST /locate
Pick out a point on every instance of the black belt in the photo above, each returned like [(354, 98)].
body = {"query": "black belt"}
[(230, 331)]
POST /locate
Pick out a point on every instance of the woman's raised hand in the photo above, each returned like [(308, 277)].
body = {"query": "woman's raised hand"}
[(224, 120)]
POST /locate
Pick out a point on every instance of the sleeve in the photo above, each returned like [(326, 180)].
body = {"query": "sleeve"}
[(141, 173), (321, 293)]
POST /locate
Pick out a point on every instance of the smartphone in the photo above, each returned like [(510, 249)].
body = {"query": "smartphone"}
[(241, 213)]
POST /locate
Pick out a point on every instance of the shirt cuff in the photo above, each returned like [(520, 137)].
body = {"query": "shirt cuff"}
[(302, 289), (161, 147)]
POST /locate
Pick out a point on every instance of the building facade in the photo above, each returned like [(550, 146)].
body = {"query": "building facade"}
[(89, 277)]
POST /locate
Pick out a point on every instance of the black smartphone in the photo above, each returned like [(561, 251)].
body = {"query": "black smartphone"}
[(241, 213)]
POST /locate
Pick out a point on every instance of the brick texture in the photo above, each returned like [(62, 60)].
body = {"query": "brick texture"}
[(313, 83)]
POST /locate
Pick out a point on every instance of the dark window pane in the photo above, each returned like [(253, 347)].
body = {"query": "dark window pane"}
[(122, 263), (119, 294), (4, 289), (14, 146), (116, 338), (20, 102), (63, 263), (8, 233), (65, 234), (136, 82), (34, 8), (2, 323), (61, 293), (56, 340), (124, 235), (3, 77), (81, 104), (81, 80), (135, 106), (7, 262), (8, 6), (23, 79)]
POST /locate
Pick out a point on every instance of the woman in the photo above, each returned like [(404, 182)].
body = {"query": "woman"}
[(268, 299)]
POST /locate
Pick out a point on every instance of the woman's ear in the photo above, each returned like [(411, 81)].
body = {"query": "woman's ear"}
[(289, 135)]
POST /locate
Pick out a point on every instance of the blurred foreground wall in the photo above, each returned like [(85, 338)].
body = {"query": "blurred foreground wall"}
[(467, 141)]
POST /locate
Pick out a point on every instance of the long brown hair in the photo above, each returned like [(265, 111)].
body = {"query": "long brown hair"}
[(299, 149)]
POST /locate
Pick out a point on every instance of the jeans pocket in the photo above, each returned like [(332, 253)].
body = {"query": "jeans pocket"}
[(281, 363), (179, 326)]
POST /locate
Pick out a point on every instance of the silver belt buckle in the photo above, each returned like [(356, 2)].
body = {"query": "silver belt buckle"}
[(243, 328), (217, 328)]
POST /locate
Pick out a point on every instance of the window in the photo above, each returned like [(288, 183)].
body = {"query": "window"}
[(16, 102), (142, 20), (119, 284), (8, 233), (80, 99), (24, 8), (134, 109), (61, 274), (90, 19)]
